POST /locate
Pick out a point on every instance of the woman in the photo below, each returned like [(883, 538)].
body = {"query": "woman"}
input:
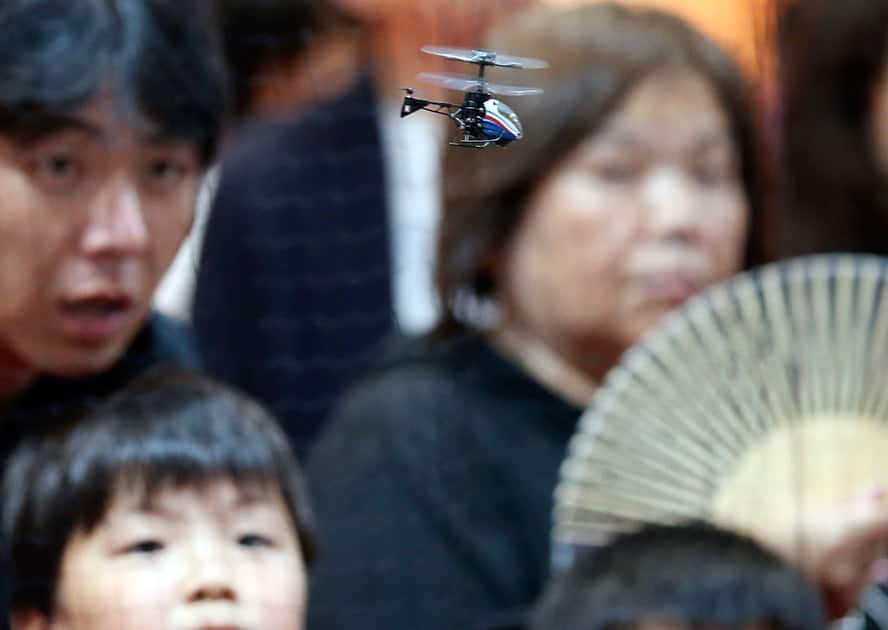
[(638, 183)]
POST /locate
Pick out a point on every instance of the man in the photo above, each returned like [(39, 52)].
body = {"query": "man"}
[(110, 111)]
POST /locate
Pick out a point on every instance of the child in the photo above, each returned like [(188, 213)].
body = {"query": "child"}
[(177, 504), (680, 577)]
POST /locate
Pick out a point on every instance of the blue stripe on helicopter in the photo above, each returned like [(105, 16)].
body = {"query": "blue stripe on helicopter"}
[(494, 128)]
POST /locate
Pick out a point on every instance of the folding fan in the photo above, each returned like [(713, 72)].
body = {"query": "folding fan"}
[(764, 396)]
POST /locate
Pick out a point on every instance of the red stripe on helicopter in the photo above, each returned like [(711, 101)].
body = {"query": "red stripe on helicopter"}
[(498, 122)]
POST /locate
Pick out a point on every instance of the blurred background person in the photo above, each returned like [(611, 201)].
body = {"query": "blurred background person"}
[(835, 126), (744, 28), (834, 82), (272, 56), (318, 240), (639, 182)]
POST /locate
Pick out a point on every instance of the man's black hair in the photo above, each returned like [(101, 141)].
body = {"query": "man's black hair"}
[(693, 575), (169, 428), (157, 60)]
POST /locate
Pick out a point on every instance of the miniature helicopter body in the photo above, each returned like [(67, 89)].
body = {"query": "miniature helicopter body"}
[(482, 119)]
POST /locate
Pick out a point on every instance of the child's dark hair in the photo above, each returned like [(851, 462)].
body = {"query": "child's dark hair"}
[(168, 428), (156, 60), (693, 575)]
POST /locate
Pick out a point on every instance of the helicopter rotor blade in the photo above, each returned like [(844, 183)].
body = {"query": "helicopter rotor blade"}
[(485, 57), (468, 83), (512, 61)]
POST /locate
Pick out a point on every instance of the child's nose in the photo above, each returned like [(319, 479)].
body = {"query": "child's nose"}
[(210, 591), (210, 579)]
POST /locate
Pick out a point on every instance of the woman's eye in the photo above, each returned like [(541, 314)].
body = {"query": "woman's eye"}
[(711, 175), (254, 540), (618, 172), (145, 546)]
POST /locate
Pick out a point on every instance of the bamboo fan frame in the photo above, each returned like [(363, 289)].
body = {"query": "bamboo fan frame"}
[(764, 396)]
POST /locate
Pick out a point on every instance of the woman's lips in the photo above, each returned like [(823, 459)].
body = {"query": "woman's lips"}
[(672, 286)]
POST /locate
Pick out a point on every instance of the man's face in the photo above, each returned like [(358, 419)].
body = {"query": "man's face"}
[(90, 218)]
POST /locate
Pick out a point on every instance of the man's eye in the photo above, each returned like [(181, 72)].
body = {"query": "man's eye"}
[(164, 170), (144, 546), (254, 540), (58, 164), (57, 167)]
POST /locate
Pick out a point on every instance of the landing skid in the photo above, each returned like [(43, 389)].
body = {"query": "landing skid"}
[(476, 143)]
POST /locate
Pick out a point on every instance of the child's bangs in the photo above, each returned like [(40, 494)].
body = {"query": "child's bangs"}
[(170, 467)]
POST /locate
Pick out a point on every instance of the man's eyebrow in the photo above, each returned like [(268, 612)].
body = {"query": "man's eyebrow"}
[(35, 128), (165, 138)]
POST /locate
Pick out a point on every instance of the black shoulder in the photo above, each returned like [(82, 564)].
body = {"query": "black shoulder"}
[(172, 342), (419, 400)]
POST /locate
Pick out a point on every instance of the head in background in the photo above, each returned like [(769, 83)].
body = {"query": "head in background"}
[(277, 52), (396, 29), (638, 183), (175, 504), (680, 578), (835, 126), (109, 112)]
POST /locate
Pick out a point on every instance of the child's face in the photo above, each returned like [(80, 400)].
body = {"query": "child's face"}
[(218, 559)]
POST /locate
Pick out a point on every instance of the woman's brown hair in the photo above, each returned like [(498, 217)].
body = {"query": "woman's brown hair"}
[(596, 53)]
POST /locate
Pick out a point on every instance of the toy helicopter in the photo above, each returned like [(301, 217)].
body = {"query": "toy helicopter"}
[(482, 120)]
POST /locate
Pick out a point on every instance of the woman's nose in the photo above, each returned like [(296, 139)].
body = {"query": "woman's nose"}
[(672, 204)]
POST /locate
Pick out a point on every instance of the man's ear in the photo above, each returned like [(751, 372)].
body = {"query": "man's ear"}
[(29, 619)]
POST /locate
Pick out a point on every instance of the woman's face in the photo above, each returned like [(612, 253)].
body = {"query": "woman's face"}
[(639, 217)]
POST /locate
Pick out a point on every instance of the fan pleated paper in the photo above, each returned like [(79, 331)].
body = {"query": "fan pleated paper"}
[(761, 397)]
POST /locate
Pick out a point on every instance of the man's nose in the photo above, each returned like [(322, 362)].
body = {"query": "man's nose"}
[(117, 224)]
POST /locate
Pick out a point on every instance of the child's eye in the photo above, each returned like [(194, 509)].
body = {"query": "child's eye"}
[(144, 546), (254, 540)]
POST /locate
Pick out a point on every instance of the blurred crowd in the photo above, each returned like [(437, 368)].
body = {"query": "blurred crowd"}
[(274, 356)]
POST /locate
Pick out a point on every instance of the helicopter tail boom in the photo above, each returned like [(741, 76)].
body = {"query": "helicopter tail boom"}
[(412, 105)]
